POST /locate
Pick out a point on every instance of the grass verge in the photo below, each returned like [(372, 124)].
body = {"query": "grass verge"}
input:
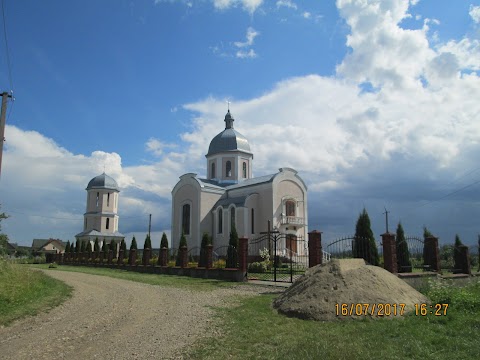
[(25, 292), (255, 331), (184, 282)]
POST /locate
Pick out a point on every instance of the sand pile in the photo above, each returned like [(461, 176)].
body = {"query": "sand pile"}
[(350, 281)]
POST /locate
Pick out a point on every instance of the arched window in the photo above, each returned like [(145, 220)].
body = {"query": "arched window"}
[(108, 199), (232, 217), (245, 170), (108, 224), (98, 196), (220, 220), (186, 219), (228, 169), (290, 208), (213, 171), (253, 221)]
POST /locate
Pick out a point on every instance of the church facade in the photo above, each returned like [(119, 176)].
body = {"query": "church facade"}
[(231, 195), (101, 217)]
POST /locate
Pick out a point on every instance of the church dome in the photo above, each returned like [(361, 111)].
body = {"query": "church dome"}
[(229, 139), (103, 182)]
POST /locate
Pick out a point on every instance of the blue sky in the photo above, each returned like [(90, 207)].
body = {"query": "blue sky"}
[(375, 103)]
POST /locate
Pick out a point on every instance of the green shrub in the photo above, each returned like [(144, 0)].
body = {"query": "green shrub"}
[(220, 264), (164, 241), (171, 263), (257, 267), (53, 265), (192, 264), (153, 261)]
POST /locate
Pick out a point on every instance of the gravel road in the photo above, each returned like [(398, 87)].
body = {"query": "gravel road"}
[(109, 318)]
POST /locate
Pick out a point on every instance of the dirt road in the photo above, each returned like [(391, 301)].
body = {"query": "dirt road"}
[(109, 318)]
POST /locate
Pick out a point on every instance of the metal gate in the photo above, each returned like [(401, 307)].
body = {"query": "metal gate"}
[(277, 257)]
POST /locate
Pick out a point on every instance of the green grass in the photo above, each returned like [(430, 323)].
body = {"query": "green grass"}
[(26, 292), (255, 331), (184, 282)]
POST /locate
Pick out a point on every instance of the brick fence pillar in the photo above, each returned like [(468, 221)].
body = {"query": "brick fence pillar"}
[(163, 257), (243, 254), (389, 253), (132, 257), (315, 253), (462, 259), (147, 255), (209, 256), (431, 253), (110, 256), (121, 256), (183, 257)]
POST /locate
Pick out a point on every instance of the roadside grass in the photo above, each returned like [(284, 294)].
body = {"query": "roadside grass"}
[(254, 330), (25, 292), (184, 282)]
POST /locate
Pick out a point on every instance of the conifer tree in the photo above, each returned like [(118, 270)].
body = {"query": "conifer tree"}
[(96, 246), (88, 247), (404, 263), (148, 242), (124, 246), (365, 246), (67, 248), (232, 254), (456, 252), (77, 246), (133, 245), (82, 247), (113, 246), (104, 246), (164, 241)]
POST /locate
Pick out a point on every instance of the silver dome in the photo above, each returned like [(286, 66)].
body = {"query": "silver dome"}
[(103, 182)]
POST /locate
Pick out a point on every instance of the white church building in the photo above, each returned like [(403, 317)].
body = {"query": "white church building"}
[(231, 195), (101, 217)]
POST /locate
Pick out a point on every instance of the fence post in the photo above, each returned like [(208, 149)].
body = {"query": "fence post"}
[(132, 257), (242, 254), (315, 255), (209, 256), (121, 256), (147, 254), (432, 254), (389, 253), (462, 259), (183, 257), (163, 257)]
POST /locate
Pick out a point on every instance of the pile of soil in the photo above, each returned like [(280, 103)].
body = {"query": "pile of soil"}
[(350, 281)]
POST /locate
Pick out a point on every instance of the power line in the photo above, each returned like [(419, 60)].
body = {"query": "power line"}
[(6, 46)]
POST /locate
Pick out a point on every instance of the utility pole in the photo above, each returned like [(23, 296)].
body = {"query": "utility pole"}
[(3, 114), (386, 218), (149, 224)]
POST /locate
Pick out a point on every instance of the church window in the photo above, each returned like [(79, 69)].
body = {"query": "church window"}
[(98, 196), (228, 172), (108, 224), (244, 169), (220, 220), (253, 221), (232, 217), (213, 171), (108, 199), (186, 219), (290, 208)]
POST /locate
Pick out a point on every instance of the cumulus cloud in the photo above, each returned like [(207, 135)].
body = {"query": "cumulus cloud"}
[(249, 5), (475, 13), (250, 37)]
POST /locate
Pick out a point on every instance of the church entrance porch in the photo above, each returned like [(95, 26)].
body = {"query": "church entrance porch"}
[(274, 256)]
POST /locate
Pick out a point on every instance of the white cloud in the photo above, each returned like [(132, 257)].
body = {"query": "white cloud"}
[(157, 147), (250, 54), (250, 37), (306, 15), (475, 13), (286, 3), (249, 5)]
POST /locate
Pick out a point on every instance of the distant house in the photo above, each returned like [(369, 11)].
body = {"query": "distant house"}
[(11, 248), (48, 246)]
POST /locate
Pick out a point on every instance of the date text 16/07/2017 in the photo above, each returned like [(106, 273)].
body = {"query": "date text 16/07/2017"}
[(386, 309)]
